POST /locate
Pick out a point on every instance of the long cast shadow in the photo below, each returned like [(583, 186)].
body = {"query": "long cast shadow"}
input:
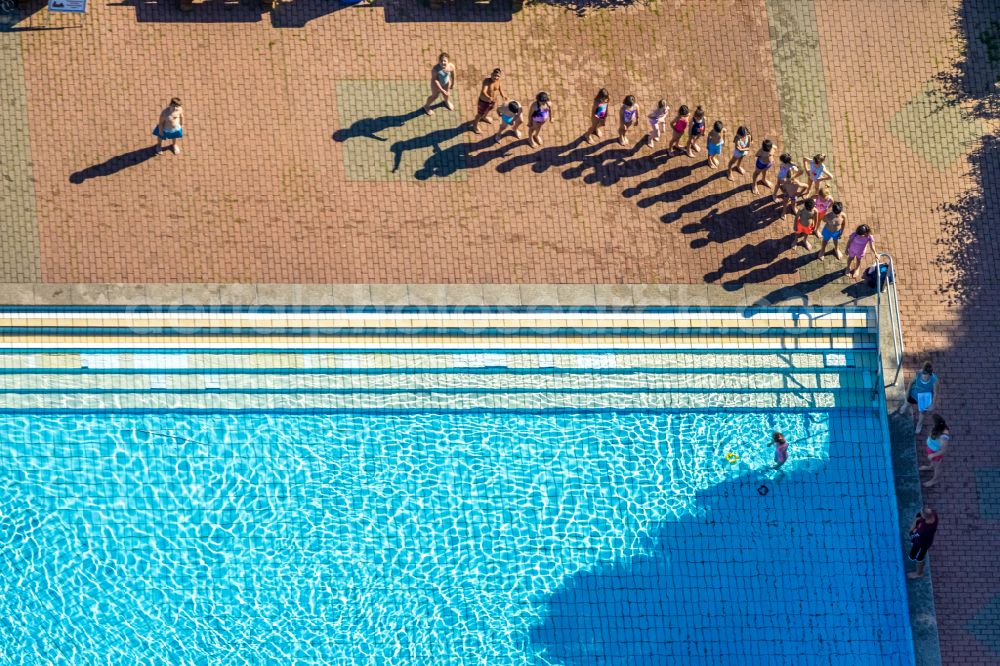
[(545, 158), (368, 128), (113, 165), (733, 223), (446, 162)]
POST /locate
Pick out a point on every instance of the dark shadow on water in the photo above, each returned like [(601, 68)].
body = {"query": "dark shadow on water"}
[(369, 128), (743, 576), (114, 164)]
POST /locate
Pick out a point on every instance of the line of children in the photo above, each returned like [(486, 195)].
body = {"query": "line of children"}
[(820, 216)]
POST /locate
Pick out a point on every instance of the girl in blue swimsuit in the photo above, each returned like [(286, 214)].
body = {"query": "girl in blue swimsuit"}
[(598, 115), (442, 82), (511, 116), (696, 132), (716, 140), (763, 164)]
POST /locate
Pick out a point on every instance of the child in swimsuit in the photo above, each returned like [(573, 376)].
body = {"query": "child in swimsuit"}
[(780, 450), (629, 116), (791, 190), (657, 122), (763, 163), (679, 126), (488, 96), (823, 202), (816, 170), (511, 118), (598, 115), (805, 223), (539, 114), (442, 82), (786, 169), (696, 132), (857, 247), (833, 229), (743, 141), (716, 140), (937, 444)]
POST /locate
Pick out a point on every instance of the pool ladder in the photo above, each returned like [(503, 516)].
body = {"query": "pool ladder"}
[(892, 300)]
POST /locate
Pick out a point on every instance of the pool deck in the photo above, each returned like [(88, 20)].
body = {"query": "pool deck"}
[(907, 481), (312, 211)]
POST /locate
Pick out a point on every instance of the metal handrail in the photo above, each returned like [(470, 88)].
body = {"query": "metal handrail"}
[(892, 297)]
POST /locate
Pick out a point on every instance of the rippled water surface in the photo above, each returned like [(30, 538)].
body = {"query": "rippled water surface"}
[(434, 538)]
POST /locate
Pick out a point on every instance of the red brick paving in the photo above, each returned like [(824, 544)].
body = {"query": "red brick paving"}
[(897, 50), (259, 193)]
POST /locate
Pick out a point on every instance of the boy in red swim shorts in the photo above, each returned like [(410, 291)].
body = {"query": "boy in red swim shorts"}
[(805, 224)]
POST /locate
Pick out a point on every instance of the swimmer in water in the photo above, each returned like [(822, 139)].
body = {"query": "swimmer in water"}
[(780, 450)]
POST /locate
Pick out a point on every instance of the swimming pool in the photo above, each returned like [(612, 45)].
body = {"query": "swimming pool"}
[(585, 488)]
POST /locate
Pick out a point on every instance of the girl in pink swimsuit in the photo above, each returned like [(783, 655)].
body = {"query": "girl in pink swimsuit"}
[(857, 247)]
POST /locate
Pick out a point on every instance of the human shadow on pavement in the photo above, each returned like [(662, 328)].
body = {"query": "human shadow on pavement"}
[(113, 165), (722, 226), (368, 128), (444, 162), (545, 158), (433, 140), (670, 196)]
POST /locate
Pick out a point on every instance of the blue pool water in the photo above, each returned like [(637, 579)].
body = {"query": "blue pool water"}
[(608, 537)]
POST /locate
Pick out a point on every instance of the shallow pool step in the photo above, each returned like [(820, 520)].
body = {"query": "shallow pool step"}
[(418, 321), (720, 380), (424, 401), (383, 360)]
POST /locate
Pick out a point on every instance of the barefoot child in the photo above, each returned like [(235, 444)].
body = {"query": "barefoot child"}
[(697, 131), (742, 147), (937, 445), (805, 223), (679, 126), (489, 95), (511, 118), (598, 115), (539, 114), (442, 82), (786, 169), (657, 122), (833, 229), (791, 190), (857, 247), (816, 170), (823, 203), (763, 164), (716, 140), (629, 117), (780, 450)]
